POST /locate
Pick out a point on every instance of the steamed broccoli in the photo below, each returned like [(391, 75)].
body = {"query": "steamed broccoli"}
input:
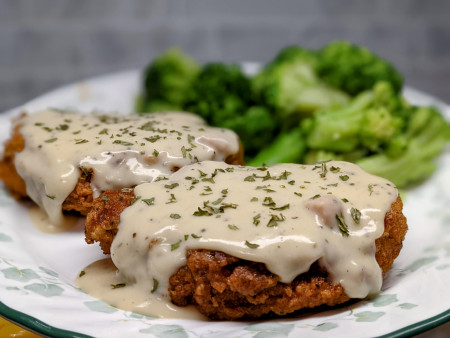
[(166, 81), (412, 159), (290, 86), (256, 129), (370, 120), (342, 102), (354, 68), (218, 93), (222, 95)]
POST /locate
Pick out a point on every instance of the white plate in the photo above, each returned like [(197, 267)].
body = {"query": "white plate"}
[(37, 270)]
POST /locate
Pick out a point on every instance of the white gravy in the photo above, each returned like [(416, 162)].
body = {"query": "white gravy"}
[(287, 216), (123, 151)]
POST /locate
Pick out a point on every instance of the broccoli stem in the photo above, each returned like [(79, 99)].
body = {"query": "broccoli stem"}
[(288, 147)]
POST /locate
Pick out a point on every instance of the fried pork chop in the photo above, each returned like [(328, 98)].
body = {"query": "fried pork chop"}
[(81, 198), (227, 288)]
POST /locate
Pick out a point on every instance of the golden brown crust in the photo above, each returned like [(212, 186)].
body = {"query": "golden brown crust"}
[(225, 287), (103, 219), (14, 183), (390, 243)]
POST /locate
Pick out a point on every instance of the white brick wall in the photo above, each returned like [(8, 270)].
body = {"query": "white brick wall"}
[(46, 43)]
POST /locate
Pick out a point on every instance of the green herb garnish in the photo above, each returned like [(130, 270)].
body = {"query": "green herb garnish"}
[(251, 245), (343, 227)]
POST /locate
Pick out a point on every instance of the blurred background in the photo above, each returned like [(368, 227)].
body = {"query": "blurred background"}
[(48, 43)]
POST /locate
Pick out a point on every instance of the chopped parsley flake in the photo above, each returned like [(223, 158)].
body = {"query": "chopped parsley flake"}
[(343, 227), (356, 215), (51, 140), (268, 202), (149, 201), (274, 219), (251, 245), (175, 246), (155, 285), (256, 220), (124, 143), (284, 207), (152, 139), (171, 186), (117, 286)]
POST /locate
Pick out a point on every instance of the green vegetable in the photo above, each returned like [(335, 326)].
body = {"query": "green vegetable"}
[(290, 86), (166, 81), (370, 120), (411, 156), (222, 95), (287, 147), (341, 102), (354, 68)]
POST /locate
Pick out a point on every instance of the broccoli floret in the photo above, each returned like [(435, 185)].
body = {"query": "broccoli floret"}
[(414, 151), (219, 93), (370, 120), (354, 68), (166, 81), (256, 128), (290, 86)]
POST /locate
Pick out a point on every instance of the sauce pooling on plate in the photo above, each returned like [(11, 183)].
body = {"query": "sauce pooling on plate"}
[(287, 216), (122, 151)]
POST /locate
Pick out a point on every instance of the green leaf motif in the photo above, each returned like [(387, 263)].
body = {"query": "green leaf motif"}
[(416, 265), (49, 272), (383, 300), (368, 316), (443, 267), (325, 327), (270, 329), (46, 290), (99, 306), (24, 275), (5, 238), (407, 306), (166, 331)]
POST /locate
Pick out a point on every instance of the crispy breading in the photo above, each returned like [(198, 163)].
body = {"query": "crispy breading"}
[(14, 183), (225, 287), (80, 199), (103, 220)]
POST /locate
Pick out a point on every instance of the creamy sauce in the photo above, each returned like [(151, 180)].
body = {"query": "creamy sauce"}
[(102, 280), (123, 151), (286, 216), (41, 221)]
